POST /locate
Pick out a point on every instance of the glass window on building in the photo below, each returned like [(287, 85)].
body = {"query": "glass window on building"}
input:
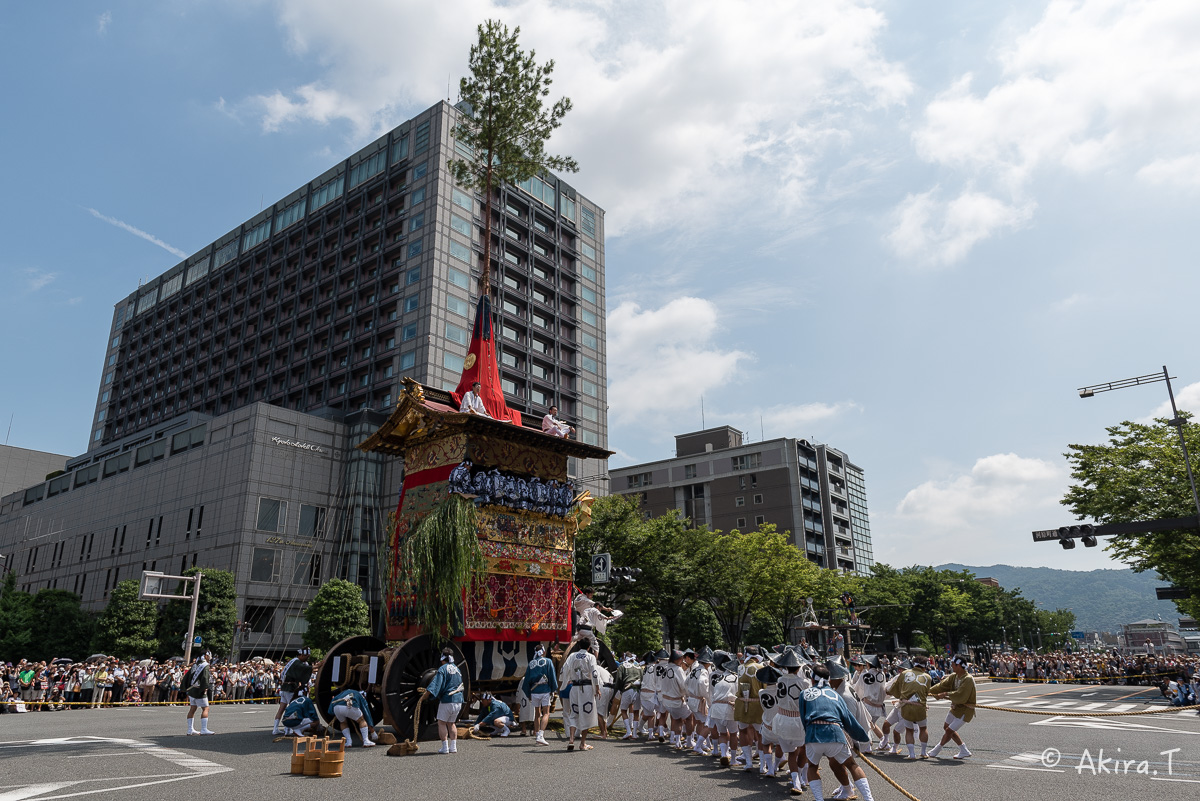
[(411, 303), (265, 565), (459, 278), (307, 570), (464, 227), (312, 521), (458, 306), (271, 515), (456, 334)]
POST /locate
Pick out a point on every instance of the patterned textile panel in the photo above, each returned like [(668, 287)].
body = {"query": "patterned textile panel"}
[(528, 553), (490, 452), (490, 660), (439, 453), (525, 528), (521, 608)]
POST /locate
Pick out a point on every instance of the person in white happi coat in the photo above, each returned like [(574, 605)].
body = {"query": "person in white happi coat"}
[(581, 681), (870, 685), (607, 690), (723, 693), (699, 696), (770, 752), (659, 726), (648, 692), (673, 694), (787, 726)]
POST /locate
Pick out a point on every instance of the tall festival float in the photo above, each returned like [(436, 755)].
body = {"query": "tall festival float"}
[(481, 548)]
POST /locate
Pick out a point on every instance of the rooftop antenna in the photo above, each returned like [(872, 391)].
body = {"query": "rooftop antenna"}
[(9, 434), (761, 431), (702, 426)]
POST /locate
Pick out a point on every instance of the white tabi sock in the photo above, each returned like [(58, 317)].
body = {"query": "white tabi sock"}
[(864, 789), (817, 790), (924, 749), (796, 780), (362, 732), (937, 749), (191, 728), (746, 755), (768, 763), (844, 791), (204, 726), (963, 752), (346, 737), (912, 751), (445, 749)]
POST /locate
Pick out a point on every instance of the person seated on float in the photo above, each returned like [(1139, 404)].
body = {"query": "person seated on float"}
[(472, 403), (493, 712), (554, 427)]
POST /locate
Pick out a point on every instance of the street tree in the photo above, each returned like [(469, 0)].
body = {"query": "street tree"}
[(638, 631), (336, 612), (16, 617), (60, 626), (503, 137), (1139, 474), (216, 614), (126, 626)]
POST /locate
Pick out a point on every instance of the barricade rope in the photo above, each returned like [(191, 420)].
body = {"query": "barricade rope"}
[(1101, 680), (887, 778), (54, 704), (1061, 713)]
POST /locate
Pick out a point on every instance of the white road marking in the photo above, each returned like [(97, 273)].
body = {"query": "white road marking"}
[(1093, 705), (1123, 707), (1017, 767), (1014, 692), (33, 789), (1165, 779), (1112, 724)]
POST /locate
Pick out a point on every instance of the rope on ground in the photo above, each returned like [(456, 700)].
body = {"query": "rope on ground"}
[(888, 778), (1063, 714)]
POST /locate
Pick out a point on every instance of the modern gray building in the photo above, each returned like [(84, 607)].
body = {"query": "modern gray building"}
[(365, 275), (812, 491), (280, 498), (21, 467)]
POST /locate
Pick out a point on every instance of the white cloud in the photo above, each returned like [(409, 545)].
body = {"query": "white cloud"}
[(35, 279), (937, 232), (661, 361), (790, 420), (138, 232), (102, 23), (1095, 83), (1187, 399), (1183, 171), (982, 516), (683, 110)]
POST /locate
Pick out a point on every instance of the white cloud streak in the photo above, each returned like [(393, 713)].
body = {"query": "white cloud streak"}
[(684, 110), (138, 232), (1093, 85), (102, 23), (35, 279)]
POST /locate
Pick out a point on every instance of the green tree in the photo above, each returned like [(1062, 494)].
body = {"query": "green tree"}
[(508, 128), (1139, 474), (698, 626), (336, 612), (638, 631), (16, 619), (61, 627), (764, 630), (216, 614), (126, 626), (744, 572)]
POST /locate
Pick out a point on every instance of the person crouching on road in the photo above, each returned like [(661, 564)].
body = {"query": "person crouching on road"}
[(351, 706), (447, 689), (495, 713), (299, 716)]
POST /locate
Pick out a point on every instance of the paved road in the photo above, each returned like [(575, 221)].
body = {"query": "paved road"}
[(141, 755)]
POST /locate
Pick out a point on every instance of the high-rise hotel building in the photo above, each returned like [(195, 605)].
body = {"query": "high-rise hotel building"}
[(237, 384), (362, 276)]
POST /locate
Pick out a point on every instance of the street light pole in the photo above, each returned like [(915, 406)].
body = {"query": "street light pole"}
[(1176, 420)]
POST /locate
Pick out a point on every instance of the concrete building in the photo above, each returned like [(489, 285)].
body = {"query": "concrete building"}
[(20, 467), (362, 276), (810, 490), (273, 495), (1152, 636)]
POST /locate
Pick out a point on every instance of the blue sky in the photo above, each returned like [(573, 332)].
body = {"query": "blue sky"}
[(909, 230)]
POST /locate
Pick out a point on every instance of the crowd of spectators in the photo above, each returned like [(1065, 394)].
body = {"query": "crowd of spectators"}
[(1109, 667), (63, 684)]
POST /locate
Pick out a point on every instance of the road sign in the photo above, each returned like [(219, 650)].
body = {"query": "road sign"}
[(1048, 534), (1171, 593), (1077, 635), (601, 565)]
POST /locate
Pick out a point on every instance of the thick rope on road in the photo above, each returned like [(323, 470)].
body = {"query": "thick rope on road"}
[(52, 705), (888, 778), (1061, 713)]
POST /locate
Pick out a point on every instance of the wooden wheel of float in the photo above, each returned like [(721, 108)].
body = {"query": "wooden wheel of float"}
[(326, 689), (410, 668)]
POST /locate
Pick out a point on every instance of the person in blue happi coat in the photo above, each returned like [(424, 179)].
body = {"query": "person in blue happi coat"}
[(494, 712), (351, 706), (826, 720), (538, 685), (299, 715), (446, 688)]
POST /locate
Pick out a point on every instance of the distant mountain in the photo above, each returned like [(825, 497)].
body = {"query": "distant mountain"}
[(1102, 600)]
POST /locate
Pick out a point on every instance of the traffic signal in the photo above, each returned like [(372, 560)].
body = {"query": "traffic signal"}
[(1085, 532), (1064, 538), (629, 574)]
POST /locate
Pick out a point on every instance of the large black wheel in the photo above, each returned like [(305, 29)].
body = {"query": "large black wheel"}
[(409, 669), (326, 687)]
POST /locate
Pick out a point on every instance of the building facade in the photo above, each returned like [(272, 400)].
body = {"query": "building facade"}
[(1153, 637), (261, 491), (21, 467), (367, 274), (811, 491)]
